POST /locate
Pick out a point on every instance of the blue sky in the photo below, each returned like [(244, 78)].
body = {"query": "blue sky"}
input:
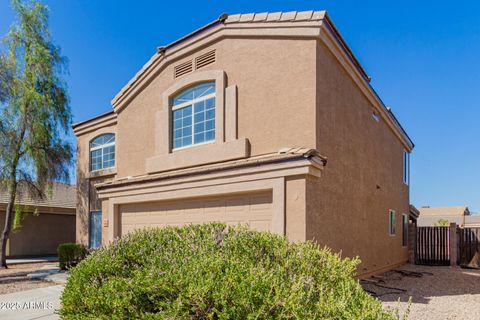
[(423, 57)]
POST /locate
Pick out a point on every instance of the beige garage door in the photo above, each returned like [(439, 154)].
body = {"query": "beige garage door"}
[(254, 210)]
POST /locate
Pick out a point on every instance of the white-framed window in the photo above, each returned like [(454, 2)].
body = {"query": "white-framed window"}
[(102, 152), (404, 230), (406, 167), (391, 223), (193, 116), (376, 116), (95, 229)]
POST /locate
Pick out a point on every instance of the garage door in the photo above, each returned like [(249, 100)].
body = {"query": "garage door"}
[(254, 210)]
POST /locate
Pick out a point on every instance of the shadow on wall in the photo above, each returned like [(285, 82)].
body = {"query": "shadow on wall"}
[(83, 189)]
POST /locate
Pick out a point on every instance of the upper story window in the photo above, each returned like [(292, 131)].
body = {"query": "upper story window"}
[(102, 152), (406, 167), (193, 116)]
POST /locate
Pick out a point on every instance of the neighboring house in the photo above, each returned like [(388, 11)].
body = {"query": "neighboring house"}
[(234, 123), (42, 231), (430, 216), (472, 221)]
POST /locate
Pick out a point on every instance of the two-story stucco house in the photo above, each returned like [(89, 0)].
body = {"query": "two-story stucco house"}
[(235, 122)]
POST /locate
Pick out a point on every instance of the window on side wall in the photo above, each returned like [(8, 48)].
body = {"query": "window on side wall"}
[(406, 167), (102, 152), (95, 226), (404, 230), (193, 116), (391, 223)]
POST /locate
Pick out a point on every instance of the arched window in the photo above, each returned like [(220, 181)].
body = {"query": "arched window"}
[(193, 116), (102, 152)]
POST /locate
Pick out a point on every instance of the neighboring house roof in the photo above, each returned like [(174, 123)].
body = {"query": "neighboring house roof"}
[(62, 196), (472, 220), (444, 211), (430, 216), (430, 221)]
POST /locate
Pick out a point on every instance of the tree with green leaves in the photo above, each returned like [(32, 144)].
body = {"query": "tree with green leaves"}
[(34, 112), (442, 223)]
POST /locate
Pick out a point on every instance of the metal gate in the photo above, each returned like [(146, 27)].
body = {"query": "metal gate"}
[(469, 247), (432, 246)]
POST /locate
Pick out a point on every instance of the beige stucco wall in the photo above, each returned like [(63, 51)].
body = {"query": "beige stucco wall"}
[(282, 68), (348, 207), (40, 235)]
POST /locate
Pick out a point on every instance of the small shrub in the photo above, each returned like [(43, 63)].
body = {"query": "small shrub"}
[(211, 272), (70, 254)]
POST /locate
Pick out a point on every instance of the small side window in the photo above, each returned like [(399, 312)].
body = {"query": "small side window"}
[(404, 230), (406, 167), (376, 116), (391, 223)]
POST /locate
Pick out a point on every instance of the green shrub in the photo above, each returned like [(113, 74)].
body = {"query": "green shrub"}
[(211, 272), (70, 254)]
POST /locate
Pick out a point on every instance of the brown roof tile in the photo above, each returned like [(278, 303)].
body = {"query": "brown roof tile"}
[(62, 196)]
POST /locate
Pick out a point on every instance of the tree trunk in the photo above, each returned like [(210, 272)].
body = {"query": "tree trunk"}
[(12, 190)]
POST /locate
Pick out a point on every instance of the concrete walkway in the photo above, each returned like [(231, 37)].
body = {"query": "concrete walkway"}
[(33, 260), (31, 304), (50, 273)]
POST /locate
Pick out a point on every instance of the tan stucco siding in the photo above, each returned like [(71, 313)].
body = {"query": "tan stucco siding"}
[(41, 235), (86, 181), (348, 208), (276, 98)]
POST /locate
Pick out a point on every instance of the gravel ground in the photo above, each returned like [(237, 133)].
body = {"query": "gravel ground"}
[(15, 278), (435, 292)]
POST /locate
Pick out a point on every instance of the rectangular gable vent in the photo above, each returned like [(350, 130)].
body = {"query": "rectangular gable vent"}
[(182, 69), (205, 59)]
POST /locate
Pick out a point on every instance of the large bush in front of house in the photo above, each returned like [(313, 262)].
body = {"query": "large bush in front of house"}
[(70, 254), (213, 272)]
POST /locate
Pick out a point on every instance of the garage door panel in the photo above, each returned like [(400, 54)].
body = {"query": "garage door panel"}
[(254, 210)]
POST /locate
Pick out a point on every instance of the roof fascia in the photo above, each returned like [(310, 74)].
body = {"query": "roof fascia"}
[(106, 119)]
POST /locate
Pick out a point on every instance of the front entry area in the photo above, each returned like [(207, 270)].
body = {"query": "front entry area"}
[(252, 209)]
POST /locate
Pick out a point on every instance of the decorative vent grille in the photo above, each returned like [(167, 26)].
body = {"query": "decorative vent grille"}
[(183, 69), (205, 59)]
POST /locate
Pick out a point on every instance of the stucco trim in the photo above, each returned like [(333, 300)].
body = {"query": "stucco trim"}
[(268, 171), (165, 158), (197, 155), (163, 125), (102, 172), (101, 121)]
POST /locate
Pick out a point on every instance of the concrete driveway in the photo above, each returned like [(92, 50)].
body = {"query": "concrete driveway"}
[(31, 304)]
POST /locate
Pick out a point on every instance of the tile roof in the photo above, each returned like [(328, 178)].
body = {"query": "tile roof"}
[(276, 16), (444, 211), (63, 196), (282, 155), (473, 219)]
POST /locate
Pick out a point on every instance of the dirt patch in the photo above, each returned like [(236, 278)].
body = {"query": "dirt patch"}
[(15, 278), (435, 292)]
